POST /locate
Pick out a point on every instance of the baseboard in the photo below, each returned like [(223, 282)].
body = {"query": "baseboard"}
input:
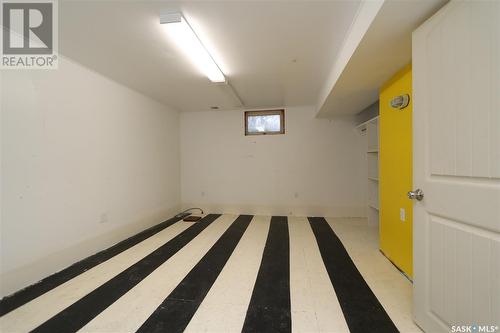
[(325, 211), (26, 275)]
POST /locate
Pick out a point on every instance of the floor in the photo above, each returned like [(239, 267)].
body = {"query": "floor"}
[(225, 273)]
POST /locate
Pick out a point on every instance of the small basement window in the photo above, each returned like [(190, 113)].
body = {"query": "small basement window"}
[(264, 122)]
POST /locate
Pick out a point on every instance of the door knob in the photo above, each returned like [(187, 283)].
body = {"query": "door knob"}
[(417, 194)]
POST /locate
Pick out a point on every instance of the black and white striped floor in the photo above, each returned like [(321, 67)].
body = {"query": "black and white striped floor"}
[(225, 273)]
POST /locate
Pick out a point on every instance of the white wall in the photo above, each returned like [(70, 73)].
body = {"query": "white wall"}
[(86, 163), (316, 168)]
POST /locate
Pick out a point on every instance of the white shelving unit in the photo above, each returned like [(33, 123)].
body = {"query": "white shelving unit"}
[(370, 130)]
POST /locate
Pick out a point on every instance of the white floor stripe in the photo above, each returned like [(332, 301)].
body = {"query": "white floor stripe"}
[(225, 306), (393, 290), (34, 313), (314, 304), (129, 312)]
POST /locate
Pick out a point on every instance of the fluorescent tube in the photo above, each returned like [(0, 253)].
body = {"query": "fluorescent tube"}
[(184, 36)]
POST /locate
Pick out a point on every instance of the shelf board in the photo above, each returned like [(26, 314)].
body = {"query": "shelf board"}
[(373, 206), (372, 151), (361, 128), (373, 178)]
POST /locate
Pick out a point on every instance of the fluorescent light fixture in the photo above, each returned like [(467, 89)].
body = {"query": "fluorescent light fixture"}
[(182, 33)]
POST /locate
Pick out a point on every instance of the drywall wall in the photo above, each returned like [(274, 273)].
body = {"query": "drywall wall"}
[(317, 167), (86, 163), (396, 227)]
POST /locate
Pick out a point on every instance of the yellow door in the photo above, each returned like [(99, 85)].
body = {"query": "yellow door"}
[(395, 177)]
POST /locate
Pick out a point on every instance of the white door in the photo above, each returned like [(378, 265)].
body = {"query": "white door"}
[(456, 119)]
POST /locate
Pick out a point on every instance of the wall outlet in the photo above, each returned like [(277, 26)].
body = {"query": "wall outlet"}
[(402, 214)]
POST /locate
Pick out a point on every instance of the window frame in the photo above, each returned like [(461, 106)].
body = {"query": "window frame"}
[(280, 112)]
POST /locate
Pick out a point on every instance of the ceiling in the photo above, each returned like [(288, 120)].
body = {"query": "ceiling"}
[(385, 48), (274, 53)]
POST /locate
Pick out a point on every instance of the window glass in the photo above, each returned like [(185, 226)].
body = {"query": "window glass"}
[(264, 122), (269, 123)]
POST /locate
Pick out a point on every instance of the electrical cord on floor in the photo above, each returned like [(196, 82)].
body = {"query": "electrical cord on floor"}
[(187, 212)]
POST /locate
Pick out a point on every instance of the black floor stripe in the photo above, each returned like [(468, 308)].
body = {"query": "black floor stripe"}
[(23, 296), (84, 310), (269, 309), (362, 310), (174, 314)]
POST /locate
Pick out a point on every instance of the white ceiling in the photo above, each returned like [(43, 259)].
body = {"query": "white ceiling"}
[(384, 49), (274, 53)]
